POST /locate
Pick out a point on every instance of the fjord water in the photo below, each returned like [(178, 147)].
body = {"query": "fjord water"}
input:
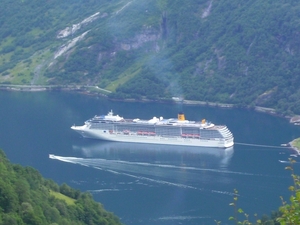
[(151, 184)]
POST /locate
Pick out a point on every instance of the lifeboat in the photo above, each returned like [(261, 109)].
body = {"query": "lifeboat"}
[(126, 131)]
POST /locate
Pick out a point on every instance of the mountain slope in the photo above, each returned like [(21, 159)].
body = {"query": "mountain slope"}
[(242, 52), (27, 198)]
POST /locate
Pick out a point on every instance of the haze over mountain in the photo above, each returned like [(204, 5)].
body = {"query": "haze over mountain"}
[(240, 51)]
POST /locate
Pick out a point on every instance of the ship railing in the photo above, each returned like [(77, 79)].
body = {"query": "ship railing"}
[(146, 133), (190, 135)]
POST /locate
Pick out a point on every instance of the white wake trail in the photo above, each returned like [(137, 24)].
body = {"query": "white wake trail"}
[(97, 162), (116, 167)]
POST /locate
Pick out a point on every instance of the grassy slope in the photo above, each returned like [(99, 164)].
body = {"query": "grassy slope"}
[(296, 143), (238, 53), (58, 15), (68, 200)]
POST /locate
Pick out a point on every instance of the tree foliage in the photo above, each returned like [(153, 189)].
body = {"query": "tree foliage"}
[(239, 51), (26, 198), (287, 214), (291, 210)]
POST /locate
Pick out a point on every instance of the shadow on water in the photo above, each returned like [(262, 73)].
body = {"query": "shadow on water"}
[(153, 153), (167, 165)]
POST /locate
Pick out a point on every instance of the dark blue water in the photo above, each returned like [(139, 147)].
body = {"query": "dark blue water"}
[(150, 184)]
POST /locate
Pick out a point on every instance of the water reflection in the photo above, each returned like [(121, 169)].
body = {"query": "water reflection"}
[(183, 167), (156, 154)]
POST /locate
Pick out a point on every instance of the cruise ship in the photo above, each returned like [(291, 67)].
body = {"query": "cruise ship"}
[(172, 131)]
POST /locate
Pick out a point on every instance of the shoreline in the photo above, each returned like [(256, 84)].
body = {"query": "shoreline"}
[(295, 145), (87, 90), (84, 89), (103, 92)]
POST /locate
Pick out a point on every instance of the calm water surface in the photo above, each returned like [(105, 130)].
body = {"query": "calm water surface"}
[(150, 184)]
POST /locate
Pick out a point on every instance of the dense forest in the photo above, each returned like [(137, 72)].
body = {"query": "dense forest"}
[(27, 198), (240, 51)]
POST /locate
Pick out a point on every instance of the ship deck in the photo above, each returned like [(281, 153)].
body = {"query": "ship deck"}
[(166, 122)]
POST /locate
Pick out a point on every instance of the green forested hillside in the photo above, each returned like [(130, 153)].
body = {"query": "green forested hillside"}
[(27, 198), (240, 51)]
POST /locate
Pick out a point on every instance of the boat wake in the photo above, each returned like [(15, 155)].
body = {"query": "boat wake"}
[(183, 218), (287, 162), (106, 165), (125, 165), (103, 190), (263, 146), (187, 177)]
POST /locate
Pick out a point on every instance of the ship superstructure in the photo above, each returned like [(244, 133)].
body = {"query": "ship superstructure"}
[(172, 131)]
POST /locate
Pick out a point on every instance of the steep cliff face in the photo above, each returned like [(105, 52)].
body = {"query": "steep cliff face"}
[(94, 47), (75, 27), (139, 40), (226, 51)]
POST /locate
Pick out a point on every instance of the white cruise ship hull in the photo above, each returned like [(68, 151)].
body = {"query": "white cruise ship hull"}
[(106, 135)]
